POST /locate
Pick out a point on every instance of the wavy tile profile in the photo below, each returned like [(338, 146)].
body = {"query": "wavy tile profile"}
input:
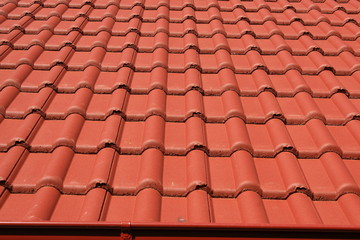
[(210, 111)]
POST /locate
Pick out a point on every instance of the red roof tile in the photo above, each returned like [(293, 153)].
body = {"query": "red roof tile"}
[(180, 111)]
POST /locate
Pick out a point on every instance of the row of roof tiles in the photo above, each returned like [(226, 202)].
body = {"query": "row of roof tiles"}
[(325, 84), (177, 138), (333, 46), (313, 17), (323, 30), (313, 63), (348, 6), (337, 110), (326, 178), (149, 206)]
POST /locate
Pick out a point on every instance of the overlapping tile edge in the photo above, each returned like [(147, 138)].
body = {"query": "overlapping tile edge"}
[(219, 176)]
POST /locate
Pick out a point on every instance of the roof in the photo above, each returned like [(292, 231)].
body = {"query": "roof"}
[(187, 112)]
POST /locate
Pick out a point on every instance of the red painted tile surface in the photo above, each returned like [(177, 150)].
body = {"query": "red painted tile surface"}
[(180, 111)]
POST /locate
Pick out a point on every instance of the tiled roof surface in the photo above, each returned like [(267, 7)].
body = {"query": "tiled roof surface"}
[(201, 111)]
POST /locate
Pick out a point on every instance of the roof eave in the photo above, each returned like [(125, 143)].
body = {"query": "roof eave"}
[(140, 231)]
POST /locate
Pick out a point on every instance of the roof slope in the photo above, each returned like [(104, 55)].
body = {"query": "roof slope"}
[(180, 111)]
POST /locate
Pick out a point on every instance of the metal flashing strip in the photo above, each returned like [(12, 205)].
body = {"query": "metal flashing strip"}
[(149, 231)]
